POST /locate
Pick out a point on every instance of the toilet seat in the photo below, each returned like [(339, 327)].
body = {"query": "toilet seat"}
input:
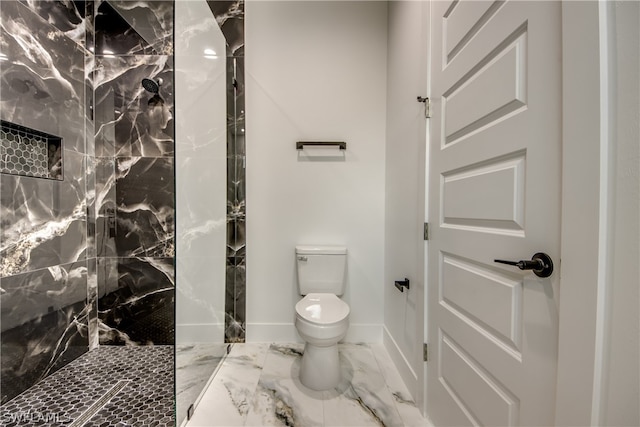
[(322, 309)]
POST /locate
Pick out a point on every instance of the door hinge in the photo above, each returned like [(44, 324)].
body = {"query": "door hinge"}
[(426, 231), (425, 352), (427, 106)]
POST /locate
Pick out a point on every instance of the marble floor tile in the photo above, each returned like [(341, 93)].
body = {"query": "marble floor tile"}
[(226, 401), (258, 385), (195, 363), (363, 398), (280, 398), (405, 404)]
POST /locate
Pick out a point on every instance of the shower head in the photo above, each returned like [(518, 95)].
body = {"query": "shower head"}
[(152, 86)]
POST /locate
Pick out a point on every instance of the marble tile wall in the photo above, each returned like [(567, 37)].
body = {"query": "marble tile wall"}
[(44, 229), (230, 18), (88, 259), (135, 189)]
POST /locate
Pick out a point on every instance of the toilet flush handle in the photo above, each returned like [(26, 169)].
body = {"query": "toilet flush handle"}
[(302, 258)]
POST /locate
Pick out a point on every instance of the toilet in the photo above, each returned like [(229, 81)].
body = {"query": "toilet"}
[(322, 319)]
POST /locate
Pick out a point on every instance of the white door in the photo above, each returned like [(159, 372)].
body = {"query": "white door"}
[(494, 181)]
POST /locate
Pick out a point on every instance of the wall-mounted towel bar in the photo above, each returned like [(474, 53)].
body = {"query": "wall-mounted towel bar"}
[(301, 144)]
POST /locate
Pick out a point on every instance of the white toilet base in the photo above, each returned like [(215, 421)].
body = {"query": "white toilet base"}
[(320, 368)]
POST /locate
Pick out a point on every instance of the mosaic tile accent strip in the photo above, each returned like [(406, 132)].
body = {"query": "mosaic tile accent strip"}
[(28, 152), (60, 399), (230, 18)]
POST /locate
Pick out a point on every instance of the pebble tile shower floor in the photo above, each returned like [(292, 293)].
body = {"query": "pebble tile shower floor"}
[(140, 379)]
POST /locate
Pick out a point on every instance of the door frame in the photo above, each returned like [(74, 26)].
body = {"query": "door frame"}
[(586, 175)]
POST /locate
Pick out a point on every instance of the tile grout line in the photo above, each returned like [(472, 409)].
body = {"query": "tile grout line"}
[(254, 395), (99, 404)]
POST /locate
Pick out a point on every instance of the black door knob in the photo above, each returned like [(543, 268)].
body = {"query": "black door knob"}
[(540, 263)]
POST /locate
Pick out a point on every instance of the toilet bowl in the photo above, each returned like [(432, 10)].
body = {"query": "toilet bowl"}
[(322, 318), (322, 321)]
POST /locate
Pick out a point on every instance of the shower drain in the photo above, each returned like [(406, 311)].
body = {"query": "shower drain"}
[(99, 404)]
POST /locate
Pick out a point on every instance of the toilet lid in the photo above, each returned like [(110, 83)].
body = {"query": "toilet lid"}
[(322, 308)]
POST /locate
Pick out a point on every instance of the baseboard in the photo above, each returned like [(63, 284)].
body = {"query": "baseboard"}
[(364, 333), (407, 373), (199, 333), (286, 332), (272, 332)]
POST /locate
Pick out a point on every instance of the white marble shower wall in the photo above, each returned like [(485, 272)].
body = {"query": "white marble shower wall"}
[(201, 173)]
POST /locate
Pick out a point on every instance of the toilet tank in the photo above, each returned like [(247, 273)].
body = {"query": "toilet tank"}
[(321, 269)]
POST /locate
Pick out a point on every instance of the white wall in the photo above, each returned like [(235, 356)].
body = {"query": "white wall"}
[(314, 71), (621, 394), (201, 174), (405, 189)]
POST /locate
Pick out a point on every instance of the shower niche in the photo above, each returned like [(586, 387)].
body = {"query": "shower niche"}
[(29, 152)]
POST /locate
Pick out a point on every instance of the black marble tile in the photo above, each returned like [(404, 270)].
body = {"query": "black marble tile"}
[(145, 207), (230, 18), (235, 186), (240, 288), (236, 237), (43, 221), (235, 105), (105, 201), (44, 324), (90, 131), (107, 275), (236, 95), (90, 198), (238, 143), (89, 24), (114, 35), (42, 77), (129, 121), (123, 27), (235, 300), (66, 16), (92, 302), (137, 306)]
